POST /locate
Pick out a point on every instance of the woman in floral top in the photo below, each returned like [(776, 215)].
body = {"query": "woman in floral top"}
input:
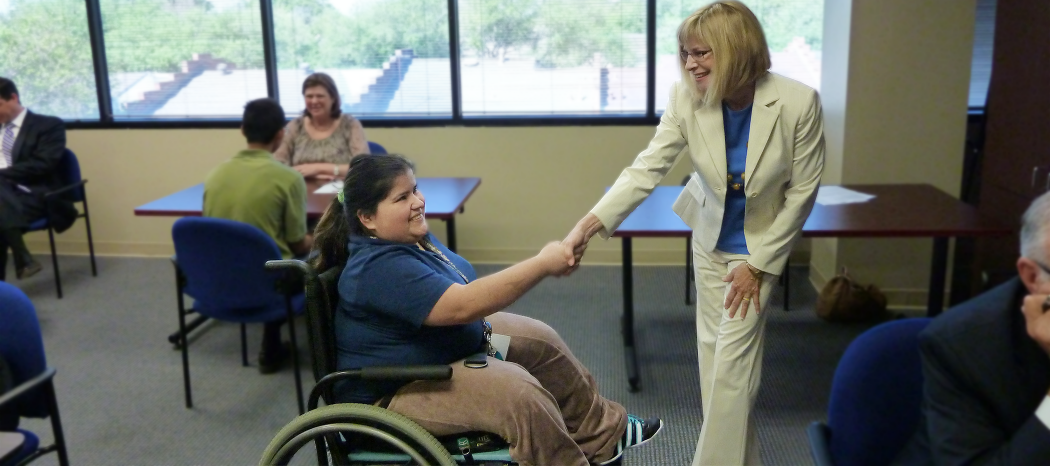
[(321, 143)]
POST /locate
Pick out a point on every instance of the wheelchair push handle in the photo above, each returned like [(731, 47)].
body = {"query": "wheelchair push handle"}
[(290, 264)]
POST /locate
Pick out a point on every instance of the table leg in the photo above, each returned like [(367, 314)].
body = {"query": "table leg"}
[(688, 270), (938, 274), (450, 225), (627, 322)]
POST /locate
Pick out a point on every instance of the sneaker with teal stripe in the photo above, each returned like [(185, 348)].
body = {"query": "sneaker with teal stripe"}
[(638, 432)]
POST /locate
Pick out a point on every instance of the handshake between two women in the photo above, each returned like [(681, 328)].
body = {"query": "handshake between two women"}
[(563, 258)]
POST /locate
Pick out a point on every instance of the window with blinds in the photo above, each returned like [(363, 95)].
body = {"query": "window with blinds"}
[(203, 59), (983, 42), (46, 51), (552, 57), (794, 30), (174, 59), (389, 58)]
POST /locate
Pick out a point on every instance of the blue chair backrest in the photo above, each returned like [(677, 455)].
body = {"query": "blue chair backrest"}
[(22, 346), (69, 167), (375, 149), (223, 262), (876, 394)]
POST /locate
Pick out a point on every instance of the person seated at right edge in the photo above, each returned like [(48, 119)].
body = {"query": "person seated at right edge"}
[(986, 368), (406, 299)]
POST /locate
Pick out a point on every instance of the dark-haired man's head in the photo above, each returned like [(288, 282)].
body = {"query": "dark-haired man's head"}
[(263, 123), (10, 103)]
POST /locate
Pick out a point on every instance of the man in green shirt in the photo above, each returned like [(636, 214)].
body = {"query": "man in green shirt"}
[(255, 189)]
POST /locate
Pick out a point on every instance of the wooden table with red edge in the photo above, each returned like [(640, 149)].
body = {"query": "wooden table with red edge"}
[(445, 198)]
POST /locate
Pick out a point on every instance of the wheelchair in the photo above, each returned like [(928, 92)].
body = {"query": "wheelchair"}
[(359, 434)]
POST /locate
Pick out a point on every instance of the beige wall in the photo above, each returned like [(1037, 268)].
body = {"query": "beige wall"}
[(536, 183), (896, 75)]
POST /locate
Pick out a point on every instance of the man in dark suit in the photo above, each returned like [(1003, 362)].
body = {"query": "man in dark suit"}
[(986, 365), (31, 147)]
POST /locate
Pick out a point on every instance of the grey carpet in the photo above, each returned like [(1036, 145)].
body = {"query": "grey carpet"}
[(119, 381)]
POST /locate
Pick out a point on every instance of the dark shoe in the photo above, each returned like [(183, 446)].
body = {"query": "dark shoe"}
[(270, 363), (29, 270), (638, 432)]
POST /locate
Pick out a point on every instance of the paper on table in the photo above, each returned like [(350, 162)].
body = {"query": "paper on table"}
[(330, 188), (834, 195)]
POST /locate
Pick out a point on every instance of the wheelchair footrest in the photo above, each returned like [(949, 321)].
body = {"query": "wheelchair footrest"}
[(370, 457), (469, 447)]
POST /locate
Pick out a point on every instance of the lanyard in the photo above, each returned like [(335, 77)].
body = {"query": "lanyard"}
[(430, 247)]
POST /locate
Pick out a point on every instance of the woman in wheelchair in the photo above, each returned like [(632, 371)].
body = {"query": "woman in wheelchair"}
[(405, 299)]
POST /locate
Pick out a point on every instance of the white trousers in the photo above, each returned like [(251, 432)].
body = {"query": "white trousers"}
[(730, 354)]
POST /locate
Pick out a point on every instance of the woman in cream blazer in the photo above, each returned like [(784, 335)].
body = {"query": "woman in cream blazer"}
[(722, 44)]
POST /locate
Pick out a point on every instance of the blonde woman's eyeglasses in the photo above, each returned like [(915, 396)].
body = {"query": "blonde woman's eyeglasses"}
[(696, 56)]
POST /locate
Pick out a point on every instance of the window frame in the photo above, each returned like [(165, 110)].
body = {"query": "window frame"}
[(266, 16)]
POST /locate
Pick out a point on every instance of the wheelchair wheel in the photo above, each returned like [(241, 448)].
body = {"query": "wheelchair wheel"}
[(358, 419)]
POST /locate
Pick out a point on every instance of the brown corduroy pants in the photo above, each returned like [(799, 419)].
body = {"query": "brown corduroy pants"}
[(540, 399)]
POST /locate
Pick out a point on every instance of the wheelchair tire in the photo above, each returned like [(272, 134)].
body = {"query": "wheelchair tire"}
[(349, 417)]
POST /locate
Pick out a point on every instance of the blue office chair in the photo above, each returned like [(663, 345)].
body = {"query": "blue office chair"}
[(33, 392), (876, 398), (375, 149), (221, 264), (355, 433), (72, 190)]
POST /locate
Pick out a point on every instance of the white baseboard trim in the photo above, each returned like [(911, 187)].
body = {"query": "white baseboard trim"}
[(102, 248)]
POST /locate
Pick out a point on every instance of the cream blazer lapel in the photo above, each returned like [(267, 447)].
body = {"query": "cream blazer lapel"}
[(764, 114), (712, 130)]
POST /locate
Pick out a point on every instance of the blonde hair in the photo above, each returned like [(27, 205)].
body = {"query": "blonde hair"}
[(737, 43)]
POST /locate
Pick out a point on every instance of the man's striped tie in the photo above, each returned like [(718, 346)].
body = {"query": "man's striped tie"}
[(9, 142)]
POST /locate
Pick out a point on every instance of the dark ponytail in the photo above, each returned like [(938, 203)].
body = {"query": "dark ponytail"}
[(330, 237)]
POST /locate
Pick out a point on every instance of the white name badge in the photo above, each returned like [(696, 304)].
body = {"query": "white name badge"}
[(501, 343)]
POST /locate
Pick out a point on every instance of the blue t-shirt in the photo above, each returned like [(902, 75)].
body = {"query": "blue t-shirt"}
[(737, 125), (386, 291)]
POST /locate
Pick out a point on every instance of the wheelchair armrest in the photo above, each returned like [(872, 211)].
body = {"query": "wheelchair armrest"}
[(406, 373), (818, 433), (28, 385), (292, 266), (294, 274), (64, 189)]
